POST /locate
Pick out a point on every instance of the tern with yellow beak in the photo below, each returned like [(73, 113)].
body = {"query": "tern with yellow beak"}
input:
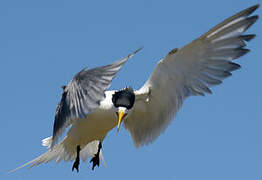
[(89, 110)]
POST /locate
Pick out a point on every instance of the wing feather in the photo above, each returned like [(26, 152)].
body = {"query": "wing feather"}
[(192, 70), (84, 93)]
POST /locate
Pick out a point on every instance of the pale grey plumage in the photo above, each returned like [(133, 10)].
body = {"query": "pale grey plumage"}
[(192, 70), (84, 93)]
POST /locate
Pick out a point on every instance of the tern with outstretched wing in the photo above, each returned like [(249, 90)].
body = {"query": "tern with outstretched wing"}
[(90, 110)]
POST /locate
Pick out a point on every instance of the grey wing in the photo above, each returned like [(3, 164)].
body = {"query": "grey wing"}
[(192, 70), (84, 93)]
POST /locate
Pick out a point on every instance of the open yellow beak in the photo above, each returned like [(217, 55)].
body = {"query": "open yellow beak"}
[(121, 114)]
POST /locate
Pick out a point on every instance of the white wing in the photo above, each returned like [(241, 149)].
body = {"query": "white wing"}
[(188, 71)]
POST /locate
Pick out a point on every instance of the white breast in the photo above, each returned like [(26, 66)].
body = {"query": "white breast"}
[(96, 125)]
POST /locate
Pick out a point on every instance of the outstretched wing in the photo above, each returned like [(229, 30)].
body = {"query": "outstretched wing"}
[(84, 93), (189, 71)]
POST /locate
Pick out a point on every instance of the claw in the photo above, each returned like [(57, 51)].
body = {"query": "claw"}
[(76, 166), (96, 159), (77, 161)]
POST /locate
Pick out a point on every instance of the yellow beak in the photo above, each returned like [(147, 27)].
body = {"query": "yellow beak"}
[(121, 114)]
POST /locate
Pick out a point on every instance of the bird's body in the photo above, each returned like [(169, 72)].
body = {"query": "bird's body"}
[(90, 111), (96, 125)]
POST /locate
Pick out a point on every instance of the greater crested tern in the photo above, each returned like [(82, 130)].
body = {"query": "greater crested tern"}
[(90, 111)]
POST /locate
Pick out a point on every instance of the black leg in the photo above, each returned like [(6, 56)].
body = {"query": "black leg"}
[(77, 161), (95, 159)]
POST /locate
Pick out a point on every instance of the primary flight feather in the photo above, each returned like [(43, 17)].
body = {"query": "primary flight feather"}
[(91, 111)]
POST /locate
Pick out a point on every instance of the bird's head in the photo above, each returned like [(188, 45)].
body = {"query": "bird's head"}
[(123, 101)]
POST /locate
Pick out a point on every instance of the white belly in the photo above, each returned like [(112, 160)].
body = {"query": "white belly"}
[(94, 127)]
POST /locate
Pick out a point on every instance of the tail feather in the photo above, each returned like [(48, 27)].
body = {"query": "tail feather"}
[(24, 165), (90, 150), (47, 142), (57, 151), (102, 158), (62, 151)]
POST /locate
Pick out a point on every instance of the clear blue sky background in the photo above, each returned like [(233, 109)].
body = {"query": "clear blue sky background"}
[(44, 43)]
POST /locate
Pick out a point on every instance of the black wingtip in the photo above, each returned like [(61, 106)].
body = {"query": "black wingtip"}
[(139, 49), (234, 66), (246, 12), (134, 52), (251, 21), (252, 8), (255, 6), (253, 18), (241, 52), (248, 37)]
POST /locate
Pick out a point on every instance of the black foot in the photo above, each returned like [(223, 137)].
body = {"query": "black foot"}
[(76, 166), (96, 159), (77, 161)]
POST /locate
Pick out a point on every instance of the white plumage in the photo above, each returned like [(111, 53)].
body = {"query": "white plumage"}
[(91, 112)]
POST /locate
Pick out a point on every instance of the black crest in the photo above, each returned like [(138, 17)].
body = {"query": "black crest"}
[(124, 98)]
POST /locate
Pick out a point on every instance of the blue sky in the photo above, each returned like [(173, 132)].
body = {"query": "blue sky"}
[(44, 43)]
